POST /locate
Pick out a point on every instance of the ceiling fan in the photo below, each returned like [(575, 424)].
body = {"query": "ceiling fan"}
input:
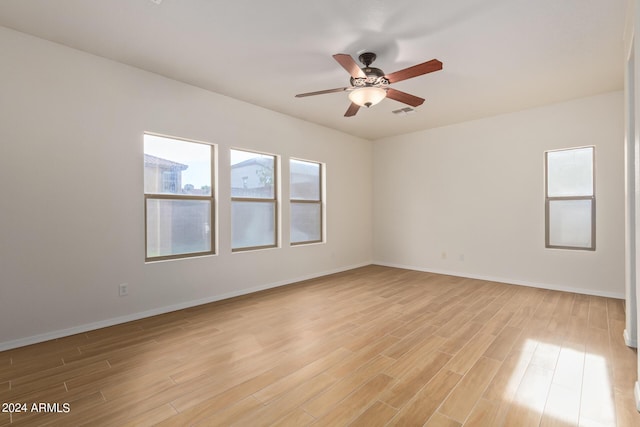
[(370, 85)]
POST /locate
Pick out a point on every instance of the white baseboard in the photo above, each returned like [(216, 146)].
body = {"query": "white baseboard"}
[(21, 342), (507, 280), (636, 393), (630, 342)]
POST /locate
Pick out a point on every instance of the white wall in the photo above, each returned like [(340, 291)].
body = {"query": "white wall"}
[(71, 221), (632, 169), (475, 192)]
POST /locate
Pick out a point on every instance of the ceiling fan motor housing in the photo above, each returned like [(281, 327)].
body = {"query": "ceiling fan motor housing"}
[(374, 76), (367, 58)]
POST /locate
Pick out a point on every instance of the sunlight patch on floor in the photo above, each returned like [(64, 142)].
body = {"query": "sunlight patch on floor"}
[(564, 384)]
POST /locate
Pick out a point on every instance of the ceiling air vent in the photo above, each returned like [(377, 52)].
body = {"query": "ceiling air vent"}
[(404, 111)]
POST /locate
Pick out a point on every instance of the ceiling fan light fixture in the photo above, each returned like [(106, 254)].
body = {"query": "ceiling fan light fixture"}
[(367, 96)]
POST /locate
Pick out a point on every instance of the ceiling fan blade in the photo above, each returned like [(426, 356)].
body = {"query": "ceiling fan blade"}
[(416, 70), (322, 92), (352, 110), (350, 65), (404, 97)]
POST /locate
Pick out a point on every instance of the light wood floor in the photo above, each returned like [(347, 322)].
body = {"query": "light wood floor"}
[(370, 347)]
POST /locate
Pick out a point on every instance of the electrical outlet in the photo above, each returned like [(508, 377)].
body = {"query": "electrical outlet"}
[(123, 289)]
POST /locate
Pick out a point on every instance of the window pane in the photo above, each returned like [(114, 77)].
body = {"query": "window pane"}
[(570, 172), (305, 180), (174, 166), (177, 227), (252, 175), (305, 222), (253, 224), (570, 223)]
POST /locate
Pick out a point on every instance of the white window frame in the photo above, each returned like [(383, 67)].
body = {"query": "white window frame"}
[(591, 198), (319, 202), (180, 197), (272, 201)]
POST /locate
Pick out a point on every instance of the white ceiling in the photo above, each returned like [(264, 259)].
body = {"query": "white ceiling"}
[(498, 55)]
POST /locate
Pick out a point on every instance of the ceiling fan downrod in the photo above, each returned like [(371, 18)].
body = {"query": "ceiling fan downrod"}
[(367, 58)]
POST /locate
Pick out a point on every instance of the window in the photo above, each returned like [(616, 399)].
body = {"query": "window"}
[(178, 197), (253, 200), (570, 199), (306, 201)]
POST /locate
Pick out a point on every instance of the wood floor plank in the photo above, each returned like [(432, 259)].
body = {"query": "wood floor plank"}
[(546, 355), (623, 358), (326, 401), (569, 369), (370, 346), (54, 376), (524, 314), (151, 417), (295, 418), (415, 358), (454, 324), (468, 391), (486, 413), (406, 387), (577, 331), (231, 414), (439, 420), (470, 353), (615, 309), (360, 358), (425, 403), (626, 413), (136, 386), (598, 397), (410, 340), (562, 407), (300, 376), (460, 338), (501, 346), (377, 415), (356, 403), (580, 306), (598, 317), (196, 404), (28, 366), (497, 323), (530, 398), (93, 381), (269, 413), (413, 325), (505, 382), (210, 396)]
